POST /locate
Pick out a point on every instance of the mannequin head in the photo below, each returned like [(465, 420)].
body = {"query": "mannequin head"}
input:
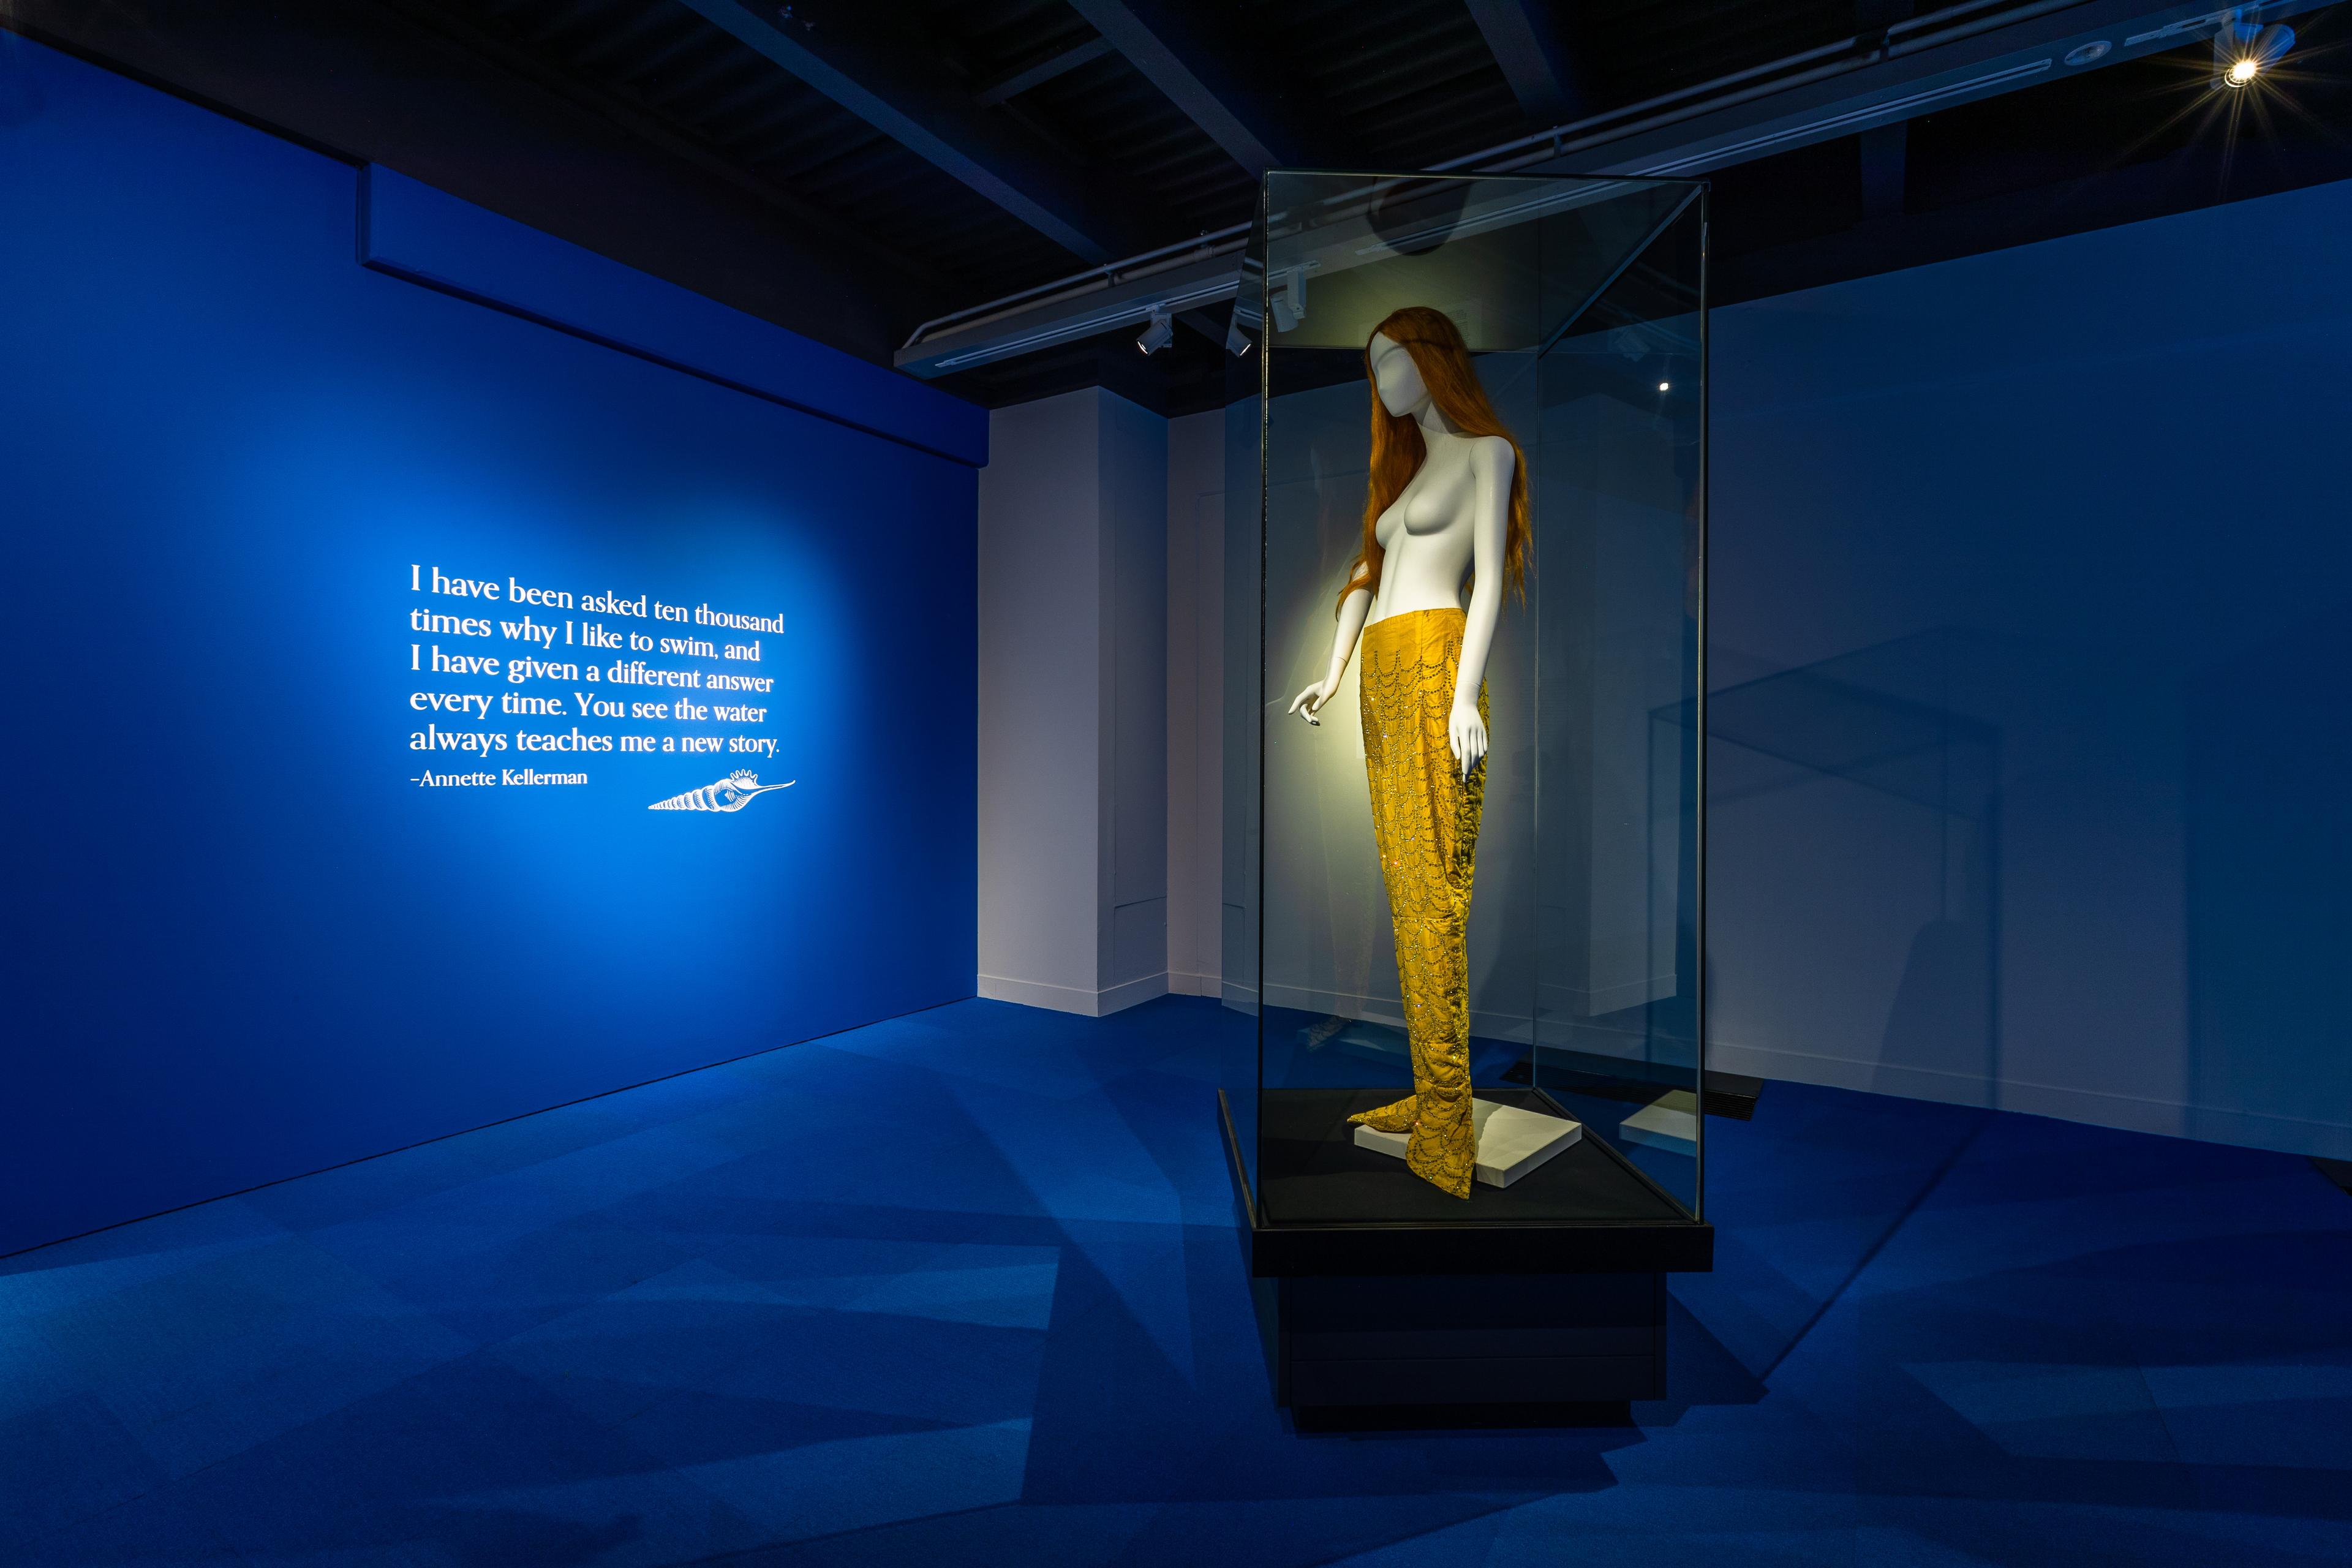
[(1417, 362), (1396, 378)]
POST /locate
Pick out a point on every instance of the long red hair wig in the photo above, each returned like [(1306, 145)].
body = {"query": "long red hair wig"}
[(1443, 356)]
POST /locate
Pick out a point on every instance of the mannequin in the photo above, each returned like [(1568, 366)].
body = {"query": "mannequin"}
[(1447, 498)]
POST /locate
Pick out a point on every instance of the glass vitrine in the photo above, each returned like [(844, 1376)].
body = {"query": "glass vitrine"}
[(1566, 319)]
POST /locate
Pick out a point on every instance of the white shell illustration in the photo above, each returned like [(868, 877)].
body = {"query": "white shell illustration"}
[(732, 792)]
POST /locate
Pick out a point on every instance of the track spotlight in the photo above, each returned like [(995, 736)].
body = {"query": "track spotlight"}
[(2242, 51), (1159, 335), (1290, 305)]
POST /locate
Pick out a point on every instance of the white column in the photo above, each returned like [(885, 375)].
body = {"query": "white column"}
[(1196, 568), (1073, 705)]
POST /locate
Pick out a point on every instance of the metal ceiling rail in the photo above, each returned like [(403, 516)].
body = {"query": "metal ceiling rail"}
[(1093, 279), (1843, 55), (1957, 54)]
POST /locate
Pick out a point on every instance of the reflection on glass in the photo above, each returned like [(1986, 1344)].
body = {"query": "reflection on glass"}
[(1875, 747)]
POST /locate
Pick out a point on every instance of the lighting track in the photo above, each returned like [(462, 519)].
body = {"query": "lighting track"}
[(1853, 119)]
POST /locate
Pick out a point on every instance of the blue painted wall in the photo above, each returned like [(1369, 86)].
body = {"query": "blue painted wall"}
[(411, 230), (244, 942), (2030, 745)]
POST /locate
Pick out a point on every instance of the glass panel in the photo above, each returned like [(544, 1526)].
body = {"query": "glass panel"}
[(1569, 993), (1618, 611), (1237, 1031), (1881, 736)]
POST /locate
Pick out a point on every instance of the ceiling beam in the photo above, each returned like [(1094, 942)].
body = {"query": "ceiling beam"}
[(934, 120), (1542, 76), (1207, 325), (1160, 42), (623, 109), (1018, 82)]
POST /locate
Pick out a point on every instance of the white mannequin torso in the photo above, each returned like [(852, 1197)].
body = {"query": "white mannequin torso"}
[(1427, 534), (1450, 519)]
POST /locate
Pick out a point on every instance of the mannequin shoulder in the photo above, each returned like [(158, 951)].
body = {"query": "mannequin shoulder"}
[(1492, 455)]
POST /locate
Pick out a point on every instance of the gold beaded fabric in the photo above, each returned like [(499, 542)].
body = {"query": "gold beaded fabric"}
[(1425, 821)]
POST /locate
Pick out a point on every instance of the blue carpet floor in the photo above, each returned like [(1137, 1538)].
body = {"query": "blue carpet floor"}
[(962, 1289)]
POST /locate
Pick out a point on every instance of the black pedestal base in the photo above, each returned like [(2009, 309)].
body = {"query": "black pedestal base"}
[(1554, 1307), (1464, 1340)]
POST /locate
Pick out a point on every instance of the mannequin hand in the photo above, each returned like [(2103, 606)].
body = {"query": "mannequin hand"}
[(1466, 733), (1312, 698)]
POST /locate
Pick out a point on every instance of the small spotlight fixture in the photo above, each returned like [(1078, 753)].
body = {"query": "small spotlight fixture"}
[(2243, 51), (1290, 305), (1662, 385), (1159, 335), (1237, 342)]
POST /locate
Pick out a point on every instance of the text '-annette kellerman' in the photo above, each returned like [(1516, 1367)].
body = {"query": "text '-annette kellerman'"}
[(569, 676)]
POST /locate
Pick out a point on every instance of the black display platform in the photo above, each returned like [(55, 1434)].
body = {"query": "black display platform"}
[(1475, 1341), (1376, 1293), (1325, 1206)]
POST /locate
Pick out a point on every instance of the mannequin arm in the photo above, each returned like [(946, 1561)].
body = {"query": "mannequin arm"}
[(1490, 467), (1352, 611)]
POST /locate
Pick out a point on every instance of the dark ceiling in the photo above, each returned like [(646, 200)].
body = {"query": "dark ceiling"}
[(685, 149), (1362, 83)]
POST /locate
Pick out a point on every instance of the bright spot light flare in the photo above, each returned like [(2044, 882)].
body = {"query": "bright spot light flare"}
[(2242, 51)]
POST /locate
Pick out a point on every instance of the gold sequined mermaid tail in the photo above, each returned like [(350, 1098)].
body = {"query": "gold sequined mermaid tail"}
[(1425, 821), (1396, 1118)]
